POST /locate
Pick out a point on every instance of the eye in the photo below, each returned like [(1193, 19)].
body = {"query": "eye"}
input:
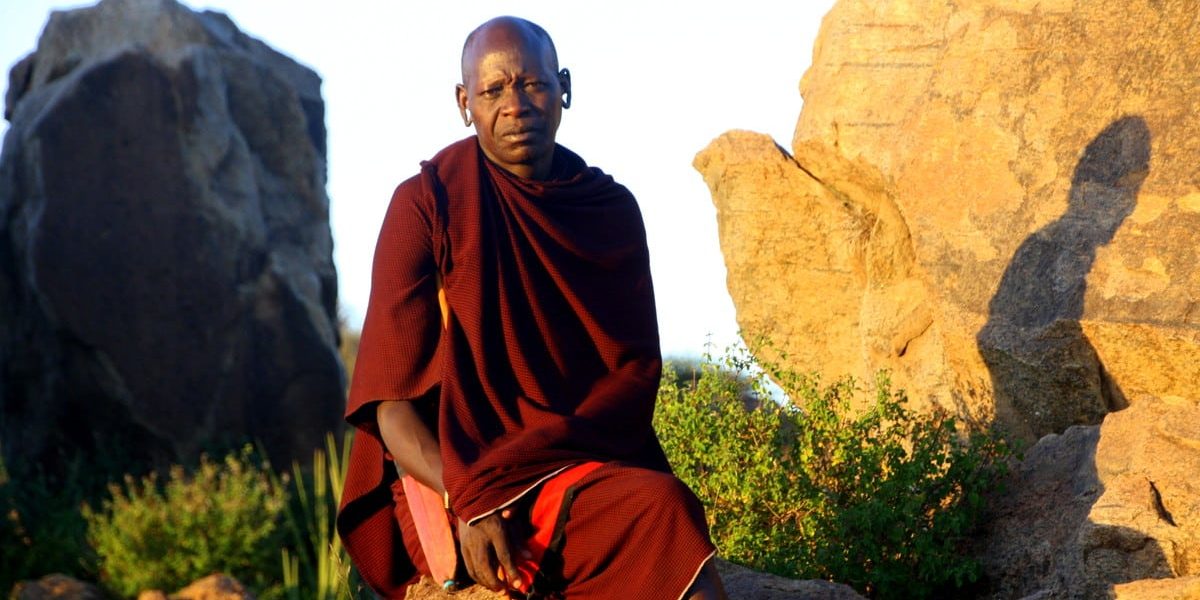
[(535, 86), (490, 93)]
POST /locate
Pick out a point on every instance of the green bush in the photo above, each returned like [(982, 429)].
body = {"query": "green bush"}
[(796, 483), (40, 528), (225, 518)]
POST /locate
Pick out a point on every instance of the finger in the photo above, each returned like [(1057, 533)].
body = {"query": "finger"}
[(477, 556), (468, 555), (516, 532), (484, 574), (500, 544)]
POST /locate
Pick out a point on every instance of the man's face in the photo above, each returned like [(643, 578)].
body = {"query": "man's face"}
[(514, 97)]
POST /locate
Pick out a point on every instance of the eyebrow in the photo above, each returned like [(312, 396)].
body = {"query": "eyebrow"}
[(505, 79)]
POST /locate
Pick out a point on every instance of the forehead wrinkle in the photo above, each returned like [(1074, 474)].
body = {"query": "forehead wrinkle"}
[(502, 67)]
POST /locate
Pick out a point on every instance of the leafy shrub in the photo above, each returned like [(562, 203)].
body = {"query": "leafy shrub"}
[(40, 527), (224, 517), (798, 484)]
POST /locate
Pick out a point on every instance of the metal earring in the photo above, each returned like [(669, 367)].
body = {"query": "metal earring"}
[(467, 119)]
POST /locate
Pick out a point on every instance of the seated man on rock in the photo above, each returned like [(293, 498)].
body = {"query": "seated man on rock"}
[(509, 364)]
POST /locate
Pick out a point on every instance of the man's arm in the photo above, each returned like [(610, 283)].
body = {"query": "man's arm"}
[(411, 443), (486, 544)]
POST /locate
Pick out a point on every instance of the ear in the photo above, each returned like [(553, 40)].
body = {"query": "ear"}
[(460, 97), (564, 83)]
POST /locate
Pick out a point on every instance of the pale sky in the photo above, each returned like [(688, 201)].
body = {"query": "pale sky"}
[(653, 84)]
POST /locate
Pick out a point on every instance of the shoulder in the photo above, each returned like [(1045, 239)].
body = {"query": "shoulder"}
[(456, 157), (570, 168), (415, 196), (408, 197), (409, 191)]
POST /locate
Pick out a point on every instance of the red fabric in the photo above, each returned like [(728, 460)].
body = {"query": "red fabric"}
[(543, 517), (550, 357), (633, 534)]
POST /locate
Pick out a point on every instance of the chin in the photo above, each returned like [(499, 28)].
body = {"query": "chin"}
[(524, 155)]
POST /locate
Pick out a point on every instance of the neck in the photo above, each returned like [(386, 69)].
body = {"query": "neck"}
[(537, 171)]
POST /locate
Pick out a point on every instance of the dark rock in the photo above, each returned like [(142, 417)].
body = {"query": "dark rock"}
[(1028, 543), (165, 255), (56, 587), (744, 584)]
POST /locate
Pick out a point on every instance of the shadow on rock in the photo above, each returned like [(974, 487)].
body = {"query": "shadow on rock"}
[(1046, 375)]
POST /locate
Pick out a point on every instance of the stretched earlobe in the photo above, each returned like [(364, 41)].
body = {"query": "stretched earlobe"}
[(564, 81), (460, 98)]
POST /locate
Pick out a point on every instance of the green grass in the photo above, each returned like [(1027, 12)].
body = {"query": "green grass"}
[(316, 567)]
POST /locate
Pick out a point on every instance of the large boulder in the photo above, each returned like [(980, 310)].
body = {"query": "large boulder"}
[(1105, 509), (165, 254), (994, 200)]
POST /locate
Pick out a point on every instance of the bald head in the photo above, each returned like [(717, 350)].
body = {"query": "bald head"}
[(513, 93), (529, 34)]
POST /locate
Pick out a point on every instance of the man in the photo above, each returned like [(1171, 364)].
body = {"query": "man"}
[(509, 361)]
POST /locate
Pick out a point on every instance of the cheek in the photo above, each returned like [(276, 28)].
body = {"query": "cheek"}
[(482, 117)]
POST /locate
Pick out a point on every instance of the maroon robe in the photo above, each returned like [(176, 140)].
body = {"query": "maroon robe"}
[(550, 356)]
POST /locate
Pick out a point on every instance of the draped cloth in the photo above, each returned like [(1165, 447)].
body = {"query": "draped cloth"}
[(550, 355)]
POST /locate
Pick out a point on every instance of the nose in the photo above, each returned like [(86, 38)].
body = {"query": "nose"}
[(515, 101)]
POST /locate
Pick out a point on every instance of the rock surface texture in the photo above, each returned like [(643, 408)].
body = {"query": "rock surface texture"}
[(166, 270), (995, 200), (740, 584), (1105, 509), (1184, 588), (55, 587), (744, 584), (213, 587), (62, 587)]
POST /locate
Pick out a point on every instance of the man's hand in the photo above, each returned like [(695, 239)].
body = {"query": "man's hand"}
[(488, 549)]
